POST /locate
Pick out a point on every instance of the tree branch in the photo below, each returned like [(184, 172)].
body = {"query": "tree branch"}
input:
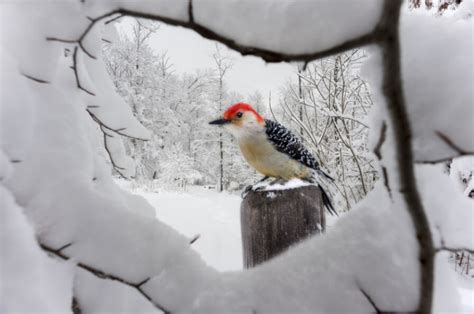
[(367, 296), (266, 54), (35, 79), (118, 131), (75, 307), (113, 19), (393, 91), (76, 73), (114, 165), (454, 249), (79, 41), (195, 238), (103, 275), (378, 147), (378, 154), (448, 141)]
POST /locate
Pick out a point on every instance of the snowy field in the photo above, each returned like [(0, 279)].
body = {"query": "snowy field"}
[(214, 216), (200, 211), (466, 290)]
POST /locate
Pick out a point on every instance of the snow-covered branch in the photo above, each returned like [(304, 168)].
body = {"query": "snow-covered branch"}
[(450, 143), (393, 91), (104, 275)]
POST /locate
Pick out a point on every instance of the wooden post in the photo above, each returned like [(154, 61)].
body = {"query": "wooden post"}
[(272, 221)]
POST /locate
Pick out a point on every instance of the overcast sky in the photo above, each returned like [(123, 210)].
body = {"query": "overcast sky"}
[(189, 51)]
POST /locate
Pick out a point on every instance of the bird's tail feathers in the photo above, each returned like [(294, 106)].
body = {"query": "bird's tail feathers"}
[(324, 182), (324, 174)]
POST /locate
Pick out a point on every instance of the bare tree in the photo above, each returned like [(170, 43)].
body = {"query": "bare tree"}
[(223, 65), (142, 30), (330, 117)]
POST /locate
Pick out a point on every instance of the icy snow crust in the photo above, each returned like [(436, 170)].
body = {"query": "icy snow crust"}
[(57, 190)]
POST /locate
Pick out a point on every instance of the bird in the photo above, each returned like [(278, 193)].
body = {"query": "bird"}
[(272, 149)]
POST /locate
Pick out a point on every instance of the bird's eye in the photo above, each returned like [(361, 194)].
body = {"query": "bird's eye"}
[(239, 114)]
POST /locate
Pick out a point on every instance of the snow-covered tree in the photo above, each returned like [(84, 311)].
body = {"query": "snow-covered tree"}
[(173, 107), (177, 169), (223, 65), (327, 105)]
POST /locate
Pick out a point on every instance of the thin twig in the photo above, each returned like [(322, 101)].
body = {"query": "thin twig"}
[(386, 182), (106, 146), (35, 79), (113, 19), (378, 153), (448, 141), (454, 249), (378, 147), (79, 41), (194, 239), (76, 73), (118, 131), (453, 145), (367, 296)]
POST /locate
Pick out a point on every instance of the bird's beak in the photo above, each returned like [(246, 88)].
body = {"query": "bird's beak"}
[(220, 122)]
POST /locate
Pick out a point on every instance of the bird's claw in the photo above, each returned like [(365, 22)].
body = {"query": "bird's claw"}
[(251, 188), (277, 181), (246, 191)]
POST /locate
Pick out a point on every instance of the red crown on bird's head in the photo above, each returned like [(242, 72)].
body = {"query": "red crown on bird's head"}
[(229, 113)]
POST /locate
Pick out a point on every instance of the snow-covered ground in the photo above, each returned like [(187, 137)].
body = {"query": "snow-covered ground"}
[(214, 216), (200, 211), (466, 290)]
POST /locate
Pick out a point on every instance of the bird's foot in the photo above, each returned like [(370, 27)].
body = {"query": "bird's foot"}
[(278, 181), (254, 187), (246, 191), (263, 179)]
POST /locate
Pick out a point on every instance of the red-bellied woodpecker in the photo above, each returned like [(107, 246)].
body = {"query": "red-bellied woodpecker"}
[(272, 149)]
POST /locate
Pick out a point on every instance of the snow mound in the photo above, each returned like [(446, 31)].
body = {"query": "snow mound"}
[(437, 81)]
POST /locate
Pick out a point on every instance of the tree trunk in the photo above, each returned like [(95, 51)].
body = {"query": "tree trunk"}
[(272, 221)]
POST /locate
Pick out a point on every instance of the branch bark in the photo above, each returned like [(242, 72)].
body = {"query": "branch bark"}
[(265, 54), (392, 89), (454, 249), (455, 147)]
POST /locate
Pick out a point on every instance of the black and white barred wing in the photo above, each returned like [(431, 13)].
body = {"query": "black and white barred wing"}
[(287, 143)]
